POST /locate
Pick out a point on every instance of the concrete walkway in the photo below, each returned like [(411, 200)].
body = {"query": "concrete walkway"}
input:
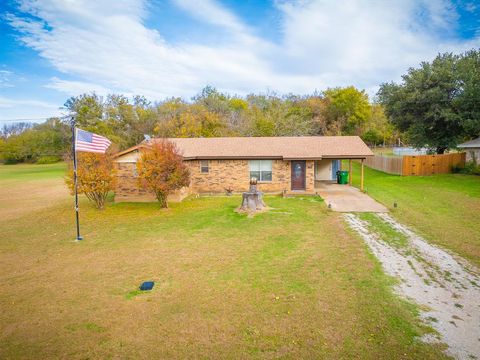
[(345, 198)]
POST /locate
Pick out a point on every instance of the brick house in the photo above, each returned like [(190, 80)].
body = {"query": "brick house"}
[(280, 164)]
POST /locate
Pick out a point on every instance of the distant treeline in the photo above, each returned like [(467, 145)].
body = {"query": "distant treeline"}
[(337, 111), (436, 106)]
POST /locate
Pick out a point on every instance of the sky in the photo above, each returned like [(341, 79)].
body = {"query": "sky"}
[(51, 50)]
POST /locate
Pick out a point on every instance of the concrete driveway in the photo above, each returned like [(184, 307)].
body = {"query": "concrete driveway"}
[(345, 198)]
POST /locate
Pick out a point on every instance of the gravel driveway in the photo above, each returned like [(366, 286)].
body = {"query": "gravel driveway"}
[(447, 287)]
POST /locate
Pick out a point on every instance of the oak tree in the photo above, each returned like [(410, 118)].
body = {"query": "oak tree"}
[(437, 104)]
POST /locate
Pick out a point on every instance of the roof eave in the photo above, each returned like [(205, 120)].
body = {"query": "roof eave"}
[(232, 157), (129, 150), (363, 156)]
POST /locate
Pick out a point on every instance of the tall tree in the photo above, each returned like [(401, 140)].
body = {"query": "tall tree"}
[(378, 129), (88, 110), (349, 107), (49, 139), (437, 104), (467, 103), (321, 123), (213, 100), (192, 121), (14, 129), (116, 117)]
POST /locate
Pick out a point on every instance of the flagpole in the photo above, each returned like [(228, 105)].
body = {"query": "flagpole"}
[(75, 177)]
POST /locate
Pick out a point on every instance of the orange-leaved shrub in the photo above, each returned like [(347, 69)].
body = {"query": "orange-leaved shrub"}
[(96, 177), (161, 170)]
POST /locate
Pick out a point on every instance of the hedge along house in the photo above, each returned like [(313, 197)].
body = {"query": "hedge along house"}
[(288, 165)]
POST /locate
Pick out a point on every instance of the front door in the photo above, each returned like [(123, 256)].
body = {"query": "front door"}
[(335, 168), (298, 175)]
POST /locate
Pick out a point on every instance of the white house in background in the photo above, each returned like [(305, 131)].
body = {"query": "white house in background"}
[(472, 148)]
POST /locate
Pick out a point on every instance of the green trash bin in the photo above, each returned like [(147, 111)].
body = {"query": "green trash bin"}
[(342, 177)]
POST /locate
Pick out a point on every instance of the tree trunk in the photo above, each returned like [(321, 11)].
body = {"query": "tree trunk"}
[(441, 150), (162, 199), (252, 202)]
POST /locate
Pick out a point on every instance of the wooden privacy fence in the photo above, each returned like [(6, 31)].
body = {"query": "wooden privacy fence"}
[(431, 164), (388, 164), (416, 165)]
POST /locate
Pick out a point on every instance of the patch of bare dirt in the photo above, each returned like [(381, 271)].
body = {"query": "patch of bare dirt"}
[(447, 287)]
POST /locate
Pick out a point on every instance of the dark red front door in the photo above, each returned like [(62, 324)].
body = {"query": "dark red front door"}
[(298, 175)]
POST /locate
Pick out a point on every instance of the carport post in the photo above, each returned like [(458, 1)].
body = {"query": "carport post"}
[(361, 178), (350, 172)]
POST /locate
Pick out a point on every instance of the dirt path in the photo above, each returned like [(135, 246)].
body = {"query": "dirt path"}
[(448, 286)]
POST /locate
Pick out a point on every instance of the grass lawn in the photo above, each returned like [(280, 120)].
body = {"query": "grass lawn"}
[(289, 283), (445, 208), (29, 187), (25, 172)]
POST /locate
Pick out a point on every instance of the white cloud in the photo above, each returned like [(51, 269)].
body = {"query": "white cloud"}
[(5, 79), (74, 88), (27, 109), (366, 43), (7, 102), (106, 46), (213, 13)]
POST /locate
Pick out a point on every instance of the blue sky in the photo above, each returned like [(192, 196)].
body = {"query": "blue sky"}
[(53, 49)]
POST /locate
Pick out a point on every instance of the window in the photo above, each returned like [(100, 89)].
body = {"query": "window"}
[(204, 166), (261, 169)]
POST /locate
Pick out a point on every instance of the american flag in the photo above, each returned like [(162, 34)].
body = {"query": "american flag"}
[(89, 142)]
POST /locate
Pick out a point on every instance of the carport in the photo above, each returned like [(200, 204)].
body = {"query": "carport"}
[(326, 169)]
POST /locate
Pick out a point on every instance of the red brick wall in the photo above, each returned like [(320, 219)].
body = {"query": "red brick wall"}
[(222, 174)]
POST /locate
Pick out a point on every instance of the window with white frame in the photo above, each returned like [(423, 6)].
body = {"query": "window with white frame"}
[(204, 166), (261, 169)]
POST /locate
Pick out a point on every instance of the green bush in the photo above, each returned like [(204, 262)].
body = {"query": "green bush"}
[(470, 168), (52, 159), (372, 137), (10, 160)]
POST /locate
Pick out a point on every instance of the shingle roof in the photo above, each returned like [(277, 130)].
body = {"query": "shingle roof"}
[(299, 147), (470, 144)]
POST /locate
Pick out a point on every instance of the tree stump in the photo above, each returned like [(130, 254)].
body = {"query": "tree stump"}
[(252, 200)]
